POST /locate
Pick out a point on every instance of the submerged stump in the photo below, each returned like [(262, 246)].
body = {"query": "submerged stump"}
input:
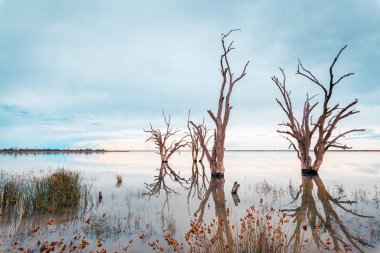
[(309, 172)]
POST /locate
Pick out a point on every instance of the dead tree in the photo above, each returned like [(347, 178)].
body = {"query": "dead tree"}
[(300, 132), (162, 139), (205, 132), (195, 144), (220, 119), (194, 140)]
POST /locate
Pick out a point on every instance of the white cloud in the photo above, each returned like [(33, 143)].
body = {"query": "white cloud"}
[(120, 63)]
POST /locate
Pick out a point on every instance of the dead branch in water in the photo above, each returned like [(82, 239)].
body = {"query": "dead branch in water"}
[(162, 139)]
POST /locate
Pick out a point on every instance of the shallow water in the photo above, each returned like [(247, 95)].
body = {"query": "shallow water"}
[(268, 180)]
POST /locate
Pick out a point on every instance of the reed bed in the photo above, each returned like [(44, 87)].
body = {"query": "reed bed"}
[(23, 195)]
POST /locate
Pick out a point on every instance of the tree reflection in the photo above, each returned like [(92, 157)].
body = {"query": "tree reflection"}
[(160, 182), (224, 234), (198, 181), (326, 226)]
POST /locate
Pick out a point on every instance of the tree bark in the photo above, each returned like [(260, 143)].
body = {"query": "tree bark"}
[(221, 118)]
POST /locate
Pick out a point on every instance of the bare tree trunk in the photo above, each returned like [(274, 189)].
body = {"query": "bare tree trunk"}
[(305, 156), (194, 140), (220, 119)]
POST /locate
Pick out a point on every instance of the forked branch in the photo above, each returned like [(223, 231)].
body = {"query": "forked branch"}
[(162, 138)]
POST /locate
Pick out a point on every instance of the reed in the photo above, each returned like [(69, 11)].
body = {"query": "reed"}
[(11, 194), (25, 195), (57, 190)]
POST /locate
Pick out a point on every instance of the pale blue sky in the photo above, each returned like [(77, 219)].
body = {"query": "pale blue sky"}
[(94, 73)]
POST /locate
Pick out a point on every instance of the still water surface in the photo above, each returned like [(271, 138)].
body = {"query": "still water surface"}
[(152, 199)]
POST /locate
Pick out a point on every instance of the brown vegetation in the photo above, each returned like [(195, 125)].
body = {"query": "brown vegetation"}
[(23, 196)]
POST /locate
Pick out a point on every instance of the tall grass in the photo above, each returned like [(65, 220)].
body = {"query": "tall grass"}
[(58, 190), (10, 195), (24, 195)]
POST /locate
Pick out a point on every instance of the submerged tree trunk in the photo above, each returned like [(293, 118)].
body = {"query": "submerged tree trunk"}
[(305, 156), (221, 117)]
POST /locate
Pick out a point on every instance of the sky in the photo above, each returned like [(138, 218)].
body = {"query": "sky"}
[(93, 74)]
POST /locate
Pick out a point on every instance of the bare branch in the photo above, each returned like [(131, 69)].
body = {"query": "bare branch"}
[(342, 77), (292, 145), (201, 132), (333, 142), (309, 76), (161, 139)]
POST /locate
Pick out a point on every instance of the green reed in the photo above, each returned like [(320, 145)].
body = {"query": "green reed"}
[(24, 195)]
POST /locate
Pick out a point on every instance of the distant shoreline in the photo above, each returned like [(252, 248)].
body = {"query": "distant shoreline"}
[(56, 151), (12, 151)]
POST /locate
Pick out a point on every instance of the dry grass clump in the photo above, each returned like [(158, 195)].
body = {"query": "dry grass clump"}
[(57, 190), (24, 195), (255, 232), (10, 195)]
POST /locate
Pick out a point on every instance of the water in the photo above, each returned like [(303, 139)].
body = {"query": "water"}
[(152, 200)]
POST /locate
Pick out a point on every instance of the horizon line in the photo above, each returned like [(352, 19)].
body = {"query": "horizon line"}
[(100, 150)]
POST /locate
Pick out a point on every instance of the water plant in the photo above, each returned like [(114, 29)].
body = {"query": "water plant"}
[(24, 195), (57, 190)]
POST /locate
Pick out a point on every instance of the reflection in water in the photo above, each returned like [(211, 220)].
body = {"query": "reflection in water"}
[(198, 183), (159, 183), (326, 226), (319, 223), (223, 232), (236, 198), (124, 213), (25, 229)]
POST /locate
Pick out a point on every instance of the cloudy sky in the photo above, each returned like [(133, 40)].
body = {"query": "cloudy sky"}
[(95, 73)]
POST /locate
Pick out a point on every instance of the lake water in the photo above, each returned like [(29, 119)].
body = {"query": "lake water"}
[(152, 199)]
